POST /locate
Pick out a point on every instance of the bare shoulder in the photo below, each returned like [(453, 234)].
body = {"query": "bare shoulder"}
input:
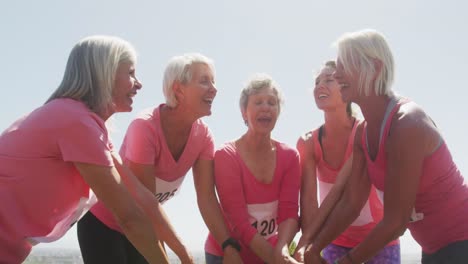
[(358, 135), (305, 143), (413, 128), (411, 116)]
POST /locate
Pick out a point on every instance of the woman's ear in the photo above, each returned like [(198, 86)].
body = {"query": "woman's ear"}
[(244, 117), (177, 89)]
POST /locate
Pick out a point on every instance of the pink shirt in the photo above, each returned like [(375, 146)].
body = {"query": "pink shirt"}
[(144, 143), (440, 214), (40, 188), (372, 211), (247, 203)]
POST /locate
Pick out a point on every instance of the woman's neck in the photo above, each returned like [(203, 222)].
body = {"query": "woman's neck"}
[(373, 108), (337, 121), (257, 143), (175, 119)]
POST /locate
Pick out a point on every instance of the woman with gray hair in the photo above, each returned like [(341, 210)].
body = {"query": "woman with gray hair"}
[(400, 151), (53, 160), (257, 180), (161, 145)]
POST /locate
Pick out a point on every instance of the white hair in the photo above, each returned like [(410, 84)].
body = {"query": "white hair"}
[(358, 51), (179, 68)]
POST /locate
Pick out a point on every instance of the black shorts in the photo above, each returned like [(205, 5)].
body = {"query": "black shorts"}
[(100, 245), (454, 253)]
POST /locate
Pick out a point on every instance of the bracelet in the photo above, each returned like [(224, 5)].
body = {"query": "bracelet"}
[(231, 242)]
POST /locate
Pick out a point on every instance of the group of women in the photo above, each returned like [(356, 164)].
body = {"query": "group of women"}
[(353, 186)]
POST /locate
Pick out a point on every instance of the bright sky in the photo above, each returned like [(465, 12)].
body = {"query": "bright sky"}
[(287, 39)]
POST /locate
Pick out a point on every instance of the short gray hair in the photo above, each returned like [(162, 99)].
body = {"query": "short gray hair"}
[(257, 83), (90, 72), (357, 51), (179, 69)]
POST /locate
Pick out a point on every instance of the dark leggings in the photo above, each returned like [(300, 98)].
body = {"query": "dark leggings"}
[(213, 259), (454, 253), (100, 244)]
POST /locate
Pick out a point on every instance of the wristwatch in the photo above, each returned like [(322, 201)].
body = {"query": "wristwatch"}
[(231, 242)]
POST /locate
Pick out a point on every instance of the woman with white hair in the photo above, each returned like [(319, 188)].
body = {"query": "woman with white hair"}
[(53, 160), (161, 145), (258, 180), (400, 151)]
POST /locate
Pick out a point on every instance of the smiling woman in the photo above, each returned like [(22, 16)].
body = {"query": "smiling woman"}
[(399, 151), (59, 157), (324, 152), (126, 86), (161, 145)]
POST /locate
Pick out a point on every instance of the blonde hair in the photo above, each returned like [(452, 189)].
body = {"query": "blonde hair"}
[(179, 68), (357, 52)]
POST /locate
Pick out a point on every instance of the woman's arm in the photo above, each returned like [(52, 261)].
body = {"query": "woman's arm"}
[(210, 210), (145, 173), (286, 232), (348, 207), (288, 208), (106, 183), (412, 138), (308, 201), (228, 176)]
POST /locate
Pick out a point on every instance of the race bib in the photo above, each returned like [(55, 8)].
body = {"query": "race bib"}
[(64, 225), (263, 217), (365, 216), (166, 190), (414, 215)]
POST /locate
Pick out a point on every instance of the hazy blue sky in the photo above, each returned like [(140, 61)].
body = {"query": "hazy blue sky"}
[(287, 39)]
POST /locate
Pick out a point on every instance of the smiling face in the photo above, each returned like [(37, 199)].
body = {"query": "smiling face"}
[(125, 87), (200, 91), (262, 111), (327, 90)]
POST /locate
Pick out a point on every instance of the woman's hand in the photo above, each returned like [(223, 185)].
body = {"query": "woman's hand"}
[(231, 256), (312, 256), (299, 254), (282, 256)]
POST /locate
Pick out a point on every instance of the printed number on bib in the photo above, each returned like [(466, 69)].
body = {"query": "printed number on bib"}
[(166, 190), (263, 217), (163, 197), (266, 228)]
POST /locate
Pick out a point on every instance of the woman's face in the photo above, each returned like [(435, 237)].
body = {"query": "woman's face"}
[(349, 83), (262, 111), (125, 87), (200, 91), (327, 91)]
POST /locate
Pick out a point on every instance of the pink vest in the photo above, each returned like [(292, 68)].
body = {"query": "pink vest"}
[(440, 214), (371, 213)]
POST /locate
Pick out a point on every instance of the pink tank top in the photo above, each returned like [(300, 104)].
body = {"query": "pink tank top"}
[(440, 214), (372, 211)]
